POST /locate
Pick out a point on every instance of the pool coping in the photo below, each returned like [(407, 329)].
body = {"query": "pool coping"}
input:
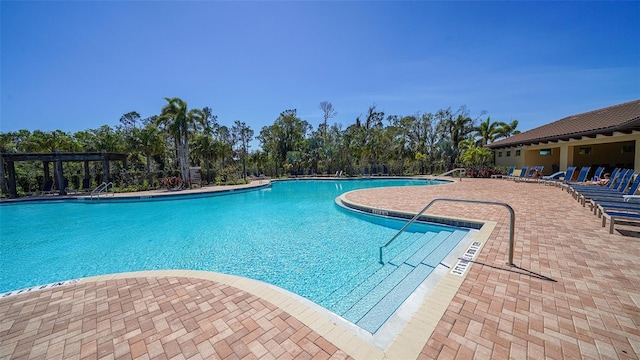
[(459, 222), (152, 195)]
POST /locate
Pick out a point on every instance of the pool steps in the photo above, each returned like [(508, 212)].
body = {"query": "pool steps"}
[(388, 286), (376, 316), (363, 305), (416, 255), (393, 299), (371, 275)]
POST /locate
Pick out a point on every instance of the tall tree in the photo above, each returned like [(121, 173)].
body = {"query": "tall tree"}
[(203, 148), (421, 137), (488, 131), (224, 144), (242, 135), (507, 130), (148, 141), (130, 120), (177, 121), (458, 125), (313, 149), (374, 118), (286, 134), (328, 113)]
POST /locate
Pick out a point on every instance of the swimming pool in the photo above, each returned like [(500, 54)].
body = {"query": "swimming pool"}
[(290, 234)]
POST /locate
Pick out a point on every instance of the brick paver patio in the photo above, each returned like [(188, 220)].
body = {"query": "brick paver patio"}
[(575, 293)]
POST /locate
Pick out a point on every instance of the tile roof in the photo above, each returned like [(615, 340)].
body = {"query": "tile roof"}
[(623, 118)]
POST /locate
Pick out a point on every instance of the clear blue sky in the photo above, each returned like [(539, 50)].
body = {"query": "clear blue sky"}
[(79, 65)]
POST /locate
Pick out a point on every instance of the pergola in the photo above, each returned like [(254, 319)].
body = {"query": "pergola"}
[(58, 158)]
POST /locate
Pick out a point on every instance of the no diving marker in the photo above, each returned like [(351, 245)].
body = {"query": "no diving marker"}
[(40, 287), (463, 263)]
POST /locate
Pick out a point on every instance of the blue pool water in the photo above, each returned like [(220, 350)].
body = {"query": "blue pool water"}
[(291, 234)]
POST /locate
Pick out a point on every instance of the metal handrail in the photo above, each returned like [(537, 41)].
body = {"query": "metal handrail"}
[(104, 186), (511, 224), (461, 171)]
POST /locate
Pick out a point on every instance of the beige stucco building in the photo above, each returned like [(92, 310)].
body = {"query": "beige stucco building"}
[(606, 137)]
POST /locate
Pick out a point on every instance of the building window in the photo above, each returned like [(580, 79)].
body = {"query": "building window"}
[(499, 153), (584, 151), (545, 152), (517, 152), (509, 153)]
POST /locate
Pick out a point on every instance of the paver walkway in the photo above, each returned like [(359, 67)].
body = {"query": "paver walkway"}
[(575, 293)]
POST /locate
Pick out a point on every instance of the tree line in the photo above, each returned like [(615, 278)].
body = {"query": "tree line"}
[(166, 145)]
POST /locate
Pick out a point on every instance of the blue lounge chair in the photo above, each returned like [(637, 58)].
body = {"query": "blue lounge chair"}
[(616, 216), (529, 173), (615, 198), (508, 174), (613, 182), (523, 173), (598, 174), (566, 176), (554, 176), (600, 209), (582, 176), (616, 188), (510, 171), (532, 174), (613, 178)]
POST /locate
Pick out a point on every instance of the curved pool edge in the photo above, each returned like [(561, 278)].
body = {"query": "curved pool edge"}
[(441, 220), (151, 195)]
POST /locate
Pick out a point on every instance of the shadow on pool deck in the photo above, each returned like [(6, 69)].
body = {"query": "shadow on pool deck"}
[(575, 293)]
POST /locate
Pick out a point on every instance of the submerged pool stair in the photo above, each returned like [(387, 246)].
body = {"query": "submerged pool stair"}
[(370, 298)]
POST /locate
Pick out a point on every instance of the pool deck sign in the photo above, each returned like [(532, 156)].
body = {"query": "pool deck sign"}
[(39, 287), (463, 262)]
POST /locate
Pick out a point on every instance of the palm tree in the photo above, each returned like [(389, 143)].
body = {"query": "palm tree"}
[(204, 148), (473, 155), (488, 131), (507, 130), (177, 121), (53, 141), (149, 142), (458, 130)]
